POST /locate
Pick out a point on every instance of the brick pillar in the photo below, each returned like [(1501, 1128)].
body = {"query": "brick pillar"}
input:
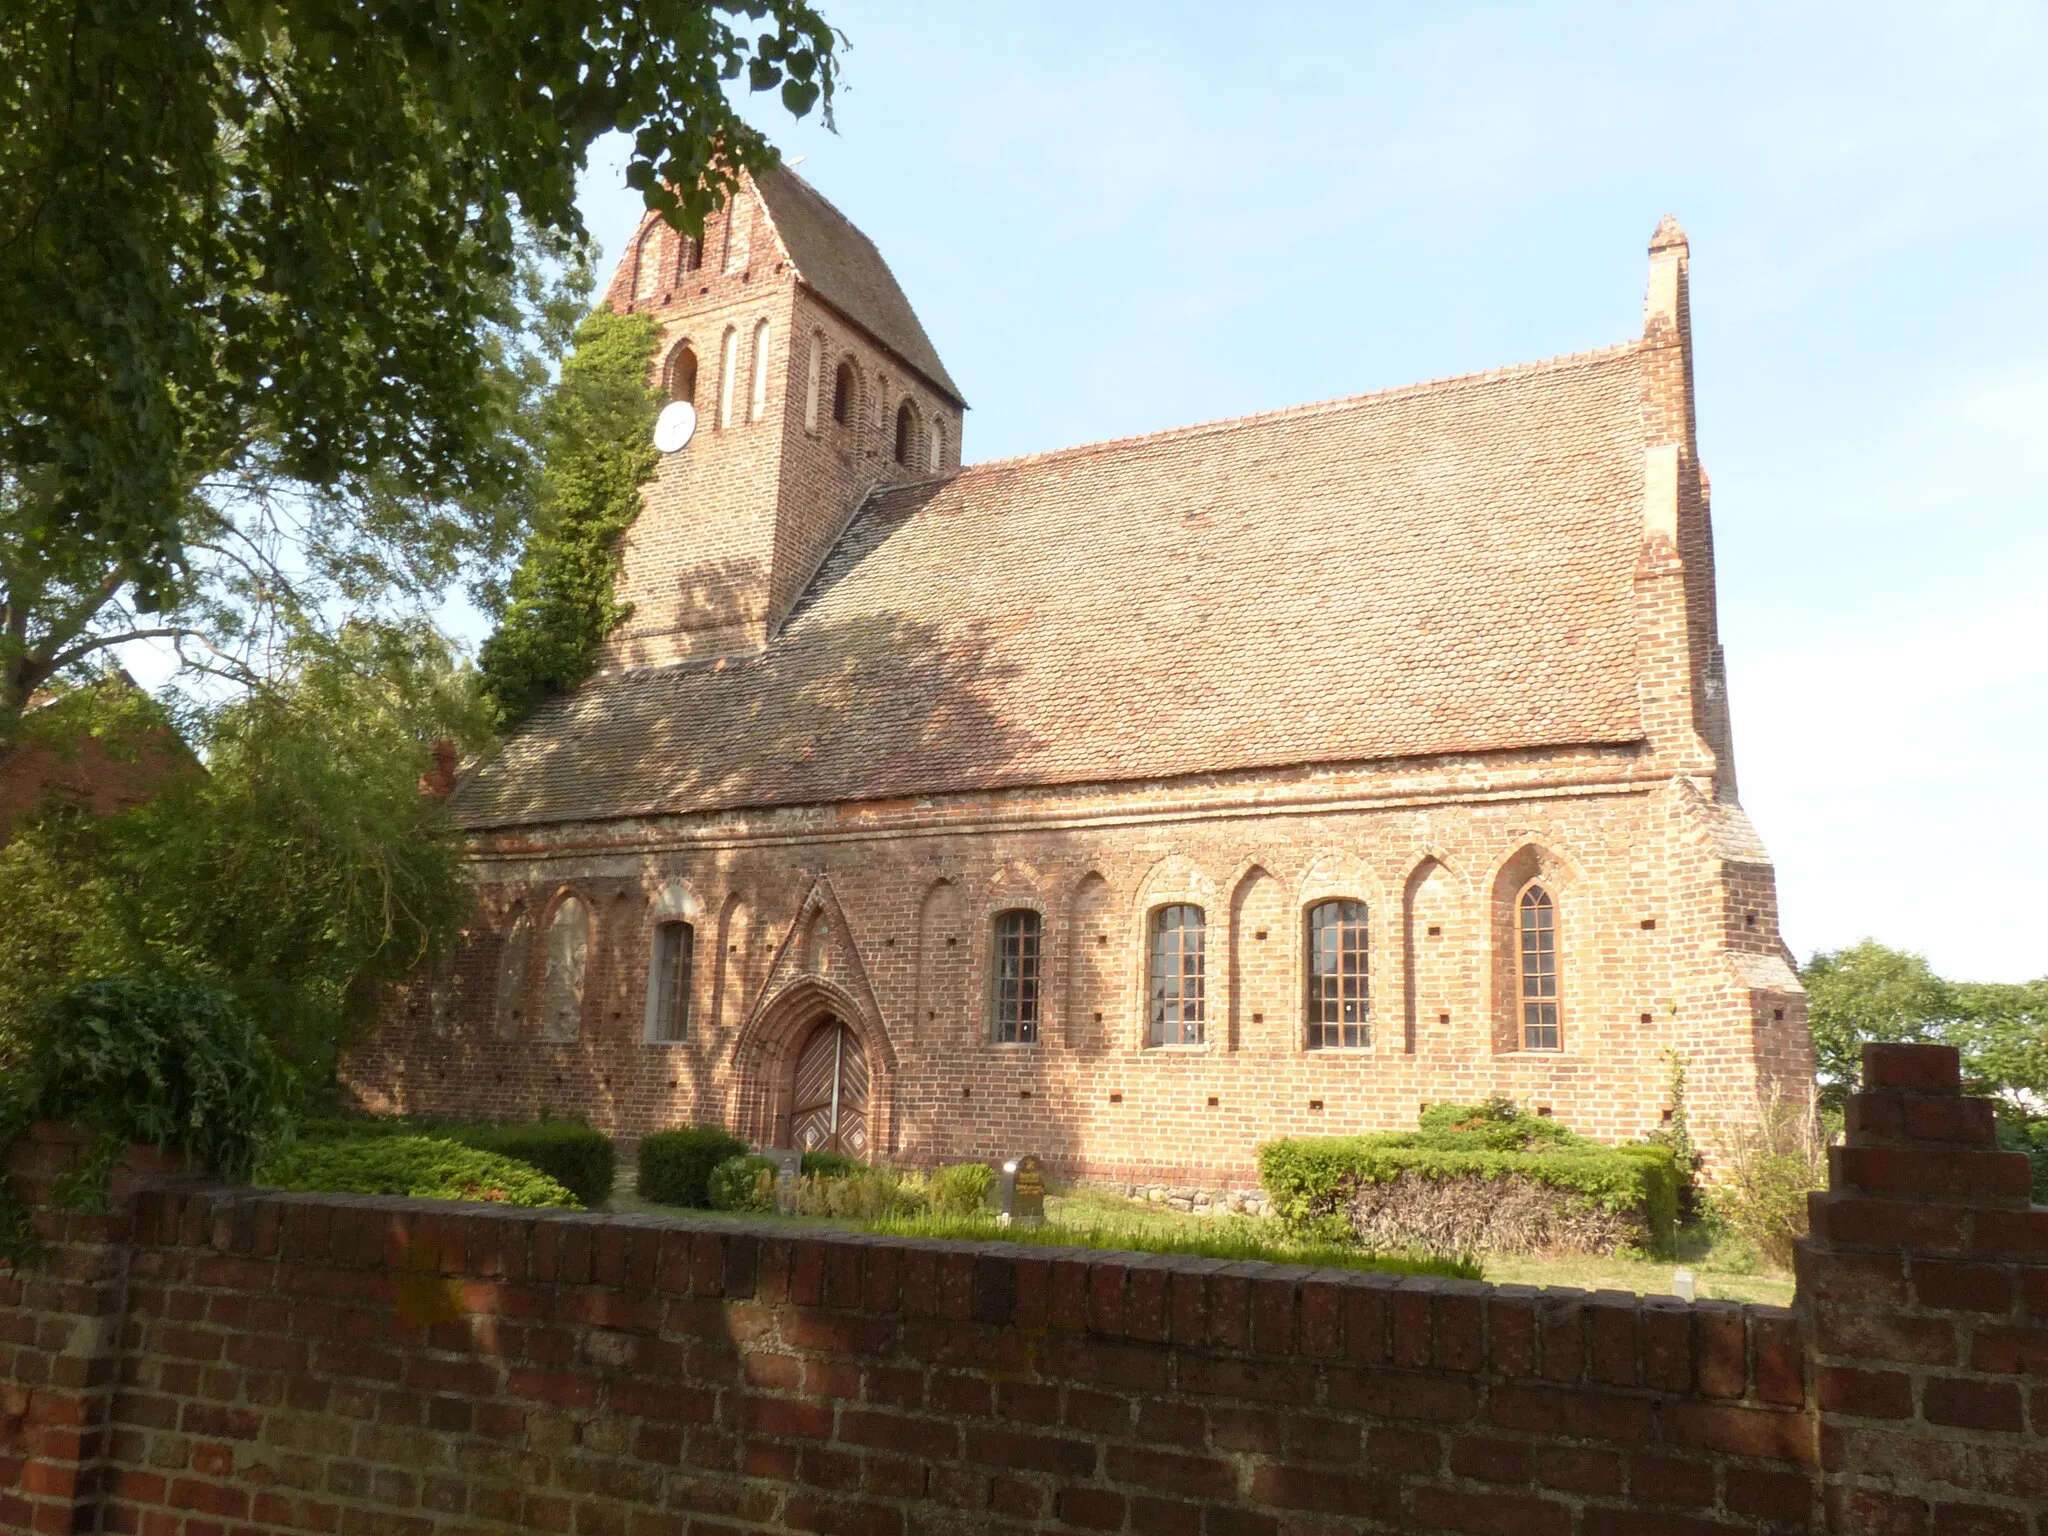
[(1925, 1285), (60, 1337)]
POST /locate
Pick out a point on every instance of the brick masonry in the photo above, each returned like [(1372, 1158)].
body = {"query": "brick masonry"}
[(207, 1361), (879, 912)]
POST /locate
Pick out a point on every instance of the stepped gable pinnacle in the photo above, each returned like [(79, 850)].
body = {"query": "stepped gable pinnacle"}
[(846, 270), (1670, 235)]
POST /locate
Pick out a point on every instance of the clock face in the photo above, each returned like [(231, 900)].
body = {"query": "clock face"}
[(675, 426)]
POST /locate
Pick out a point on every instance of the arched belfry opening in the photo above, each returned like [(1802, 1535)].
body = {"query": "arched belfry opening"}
[(681, 374)]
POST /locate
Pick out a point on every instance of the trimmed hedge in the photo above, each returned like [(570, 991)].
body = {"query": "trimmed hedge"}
[(582, 1160), (1475, 1177), (426, 1167), (675, 1166)]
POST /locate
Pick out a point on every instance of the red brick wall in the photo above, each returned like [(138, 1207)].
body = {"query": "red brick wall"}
[(211, 1361), (918, 888)]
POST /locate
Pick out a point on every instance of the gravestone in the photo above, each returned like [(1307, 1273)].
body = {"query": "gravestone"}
[(1023, 1192), (789, 1167)]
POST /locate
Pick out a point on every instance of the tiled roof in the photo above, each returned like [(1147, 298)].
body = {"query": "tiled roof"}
[(1446, 568), (844, 267)]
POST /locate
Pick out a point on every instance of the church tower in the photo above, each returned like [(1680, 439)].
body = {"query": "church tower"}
[(813, 383)]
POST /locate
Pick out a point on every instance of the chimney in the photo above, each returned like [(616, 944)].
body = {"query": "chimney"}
[(438, 782)]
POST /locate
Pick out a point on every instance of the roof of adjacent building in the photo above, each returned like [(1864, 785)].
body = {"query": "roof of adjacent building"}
[(1442, 569), (846, 270)]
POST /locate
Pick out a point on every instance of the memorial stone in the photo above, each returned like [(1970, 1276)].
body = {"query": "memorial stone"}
[(1023, 1192)]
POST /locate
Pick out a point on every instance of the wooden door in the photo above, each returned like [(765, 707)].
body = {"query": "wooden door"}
[(831, 1100)]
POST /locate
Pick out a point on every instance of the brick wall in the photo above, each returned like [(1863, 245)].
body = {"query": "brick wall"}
[(1667, 945), (215, 1361)]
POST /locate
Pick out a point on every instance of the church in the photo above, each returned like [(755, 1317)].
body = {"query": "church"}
[(1133, 803)]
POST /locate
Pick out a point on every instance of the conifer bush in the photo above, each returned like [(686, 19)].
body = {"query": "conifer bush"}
[(581, 1159), (425, 1167)]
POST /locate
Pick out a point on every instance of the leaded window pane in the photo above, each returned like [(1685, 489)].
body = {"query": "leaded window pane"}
[(674, 949), (1539, 971), (1016, 977), (1177, 975), (1339, 999)]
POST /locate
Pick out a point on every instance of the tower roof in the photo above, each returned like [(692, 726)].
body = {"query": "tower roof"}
[(845, 269)]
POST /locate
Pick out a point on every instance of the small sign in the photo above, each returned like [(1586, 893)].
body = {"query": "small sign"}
[(789, 1167), (1024, 1192)]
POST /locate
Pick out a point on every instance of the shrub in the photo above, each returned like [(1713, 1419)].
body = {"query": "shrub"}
[(582, 1160), (1474, 1178), (1768, 1168), (743, 1184), (426, 1167), (961, 1189), (675, 1166), (160, 1059), (832, 1165), (865, 1194)]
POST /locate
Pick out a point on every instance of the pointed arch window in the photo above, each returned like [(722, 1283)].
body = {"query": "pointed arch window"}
[(1538, 946), (568, 964), (935, 447), (689, 254), (515, 954), (844, 387), (1177, 974), (1013, 978), (906, 432), (728, 373), (682, 374), (757, 396), (1339, 1002), (668, 982)]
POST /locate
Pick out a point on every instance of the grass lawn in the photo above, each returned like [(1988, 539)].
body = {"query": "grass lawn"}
[(1091, 1217)]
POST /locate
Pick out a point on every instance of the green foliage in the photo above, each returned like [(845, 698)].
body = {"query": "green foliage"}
[(1867, 992), (1768, 1167), (280, 241), (1311, 1179), (861, 1193), (2019, 1132), (831, 1165), (425, 1167), (158, 1059), (302, 871), (742, 1184), (961, 1189), (1235, 1238), (596, 448), (582, 1160), (675, 1166)]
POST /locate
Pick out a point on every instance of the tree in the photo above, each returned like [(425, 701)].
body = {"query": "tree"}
[(302, 871), (266, 270), (1867, 992), (595, 448)]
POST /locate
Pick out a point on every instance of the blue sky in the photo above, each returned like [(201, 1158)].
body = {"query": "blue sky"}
[(1114, 218)]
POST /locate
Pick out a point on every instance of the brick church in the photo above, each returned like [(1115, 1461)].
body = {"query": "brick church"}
[(1133, 803)]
